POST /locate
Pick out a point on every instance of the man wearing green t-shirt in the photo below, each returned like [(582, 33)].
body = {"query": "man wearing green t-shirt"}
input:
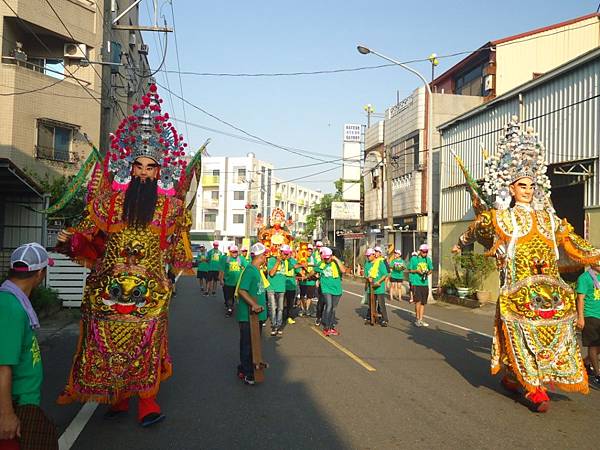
[(397, 267), (588, 318), (231, 269), (214, 267), (251, 300), (330, 271), (202, 273), (276, 292), (308, 289), (290, 267), (22, 423), (244, 256), (420, 266), (377, 276)]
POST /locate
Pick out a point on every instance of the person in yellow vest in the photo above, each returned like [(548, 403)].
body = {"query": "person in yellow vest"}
[(289, 266), (330, 272), (377, 276)]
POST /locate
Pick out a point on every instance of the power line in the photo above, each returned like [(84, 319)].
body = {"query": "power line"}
[(296, 151), (187, 131)]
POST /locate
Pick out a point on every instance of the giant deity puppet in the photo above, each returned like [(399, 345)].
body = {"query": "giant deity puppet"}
[(135, 225), (535, 343)]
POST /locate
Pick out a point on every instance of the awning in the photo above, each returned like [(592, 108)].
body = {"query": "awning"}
[(13, 181)]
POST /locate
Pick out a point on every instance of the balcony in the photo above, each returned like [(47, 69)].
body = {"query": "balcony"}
[(209, 226), (210, 204), (301, 202), (278, 196), (210, 180)]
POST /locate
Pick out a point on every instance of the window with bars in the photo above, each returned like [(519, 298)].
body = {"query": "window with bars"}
[(238, 195), (53, 141), (238, 218), (405, 156)]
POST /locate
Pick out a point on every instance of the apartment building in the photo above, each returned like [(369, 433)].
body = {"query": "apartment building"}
[(297, 202)]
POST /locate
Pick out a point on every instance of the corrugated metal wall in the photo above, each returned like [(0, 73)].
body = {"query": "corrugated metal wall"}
[(569, 133)]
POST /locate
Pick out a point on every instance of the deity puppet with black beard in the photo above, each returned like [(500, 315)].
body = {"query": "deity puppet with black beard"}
[(140, 201)]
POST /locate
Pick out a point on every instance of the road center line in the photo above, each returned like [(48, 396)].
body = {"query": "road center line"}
[(460, 327), (344, 350), (70, 435)]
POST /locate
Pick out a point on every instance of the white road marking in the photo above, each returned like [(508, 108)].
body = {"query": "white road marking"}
[(70, 435), (460, 327)]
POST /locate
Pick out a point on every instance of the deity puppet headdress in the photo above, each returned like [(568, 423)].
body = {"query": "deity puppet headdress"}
[(518, 154), (147, 132)]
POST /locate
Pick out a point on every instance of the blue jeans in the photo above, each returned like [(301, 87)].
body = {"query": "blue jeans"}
[(331, 302), (276, 308)]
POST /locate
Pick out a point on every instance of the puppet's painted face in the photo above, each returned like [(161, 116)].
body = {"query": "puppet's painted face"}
[(522, 190)]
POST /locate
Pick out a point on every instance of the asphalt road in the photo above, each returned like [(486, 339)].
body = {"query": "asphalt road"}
[(430, 389)]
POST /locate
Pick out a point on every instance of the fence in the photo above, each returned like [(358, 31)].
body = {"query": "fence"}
[(68, 278)]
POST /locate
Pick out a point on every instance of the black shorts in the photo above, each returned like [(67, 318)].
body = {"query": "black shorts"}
[(228, 292), (202, 275), (394, 280), (213, 275), (308, 291), (421, 294), (590, 335)]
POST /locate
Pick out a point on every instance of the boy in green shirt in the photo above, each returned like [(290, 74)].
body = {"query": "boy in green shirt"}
[(330, 271), (251, 300), (231, 269), (276, 292), (22, 422), (202, 273), (377, 274), (588, 318), (397, 266), (420, 266), (290, 267), (214, 267), (308, 288)]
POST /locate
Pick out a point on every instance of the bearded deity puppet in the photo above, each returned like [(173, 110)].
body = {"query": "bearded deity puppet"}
[(535, 342), (135, 225)]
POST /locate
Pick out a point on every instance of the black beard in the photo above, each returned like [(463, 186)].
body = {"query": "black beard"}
[(140, 202)]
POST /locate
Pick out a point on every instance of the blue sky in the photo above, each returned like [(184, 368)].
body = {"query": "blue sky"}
[(308, 112)]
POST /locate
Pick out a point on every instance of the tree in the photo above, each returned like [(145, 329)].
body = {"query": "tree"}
[(322, 210), (57, 187)]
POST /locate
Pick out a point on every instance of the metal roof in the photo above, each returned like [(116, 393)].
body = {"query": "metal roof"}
[(13, 181)]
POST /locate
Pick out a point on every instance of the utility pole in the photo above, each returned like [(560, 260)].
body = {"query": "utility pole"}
[(248, 204), (388, 194)]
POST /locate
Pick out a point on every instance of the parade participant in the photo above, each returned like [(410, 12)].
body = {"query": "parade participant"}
[(420, 266), (135, 224), (588, 318), (330, 271), (23, 424), (214, 267), (377, 276), (290, 267), (534, 334), (231, 269), (411, 277), (251, 299), (202, 270), (308, 289), (320, 299), (397, 266), (276, 292), (244, 256)]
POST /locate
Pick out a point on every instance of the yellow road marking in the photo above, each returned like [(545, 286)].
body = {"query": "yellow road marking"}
[(344, 350)]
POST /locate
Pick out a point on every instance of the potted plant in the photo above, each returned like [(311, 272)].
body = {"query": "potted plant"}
[(448, 285), (470, 270)]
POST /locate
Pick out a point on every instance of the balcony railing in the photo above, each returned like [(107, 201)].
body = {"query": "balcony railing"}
[(210, 204), (53, 154), (278, 196), (210, 180), (209, 225)]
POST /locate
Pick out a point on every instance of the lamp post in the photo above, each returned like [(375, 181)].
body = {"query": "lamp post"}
[(365, 51)]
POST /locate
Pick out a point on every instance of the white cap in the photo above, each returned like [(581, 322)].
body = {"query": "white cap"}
[(233, 248), (244, 249), (424, 247), (31, 256), (257, 249), (285, 248), (310, 246), (326, 252), (215, 243), (414, 253), (369, 252), (397, 251), (377, 249), (319, 244)]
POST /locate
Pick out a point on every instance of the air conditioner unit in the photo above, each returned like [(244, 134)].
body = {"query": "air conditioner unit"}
[(75, 51), (144, 48)]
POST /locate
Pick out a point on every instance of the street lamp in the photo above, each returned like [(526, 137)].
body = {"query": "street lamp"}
[(365, 51)]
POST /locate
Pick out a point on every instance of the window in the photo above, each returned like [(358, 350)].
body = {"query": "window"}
[(210, 218), (238, 195), (470, 83), (405, 156), (214, 195), (53, 141), (240, 175), (53, 67), (216, 172), (238, 218)]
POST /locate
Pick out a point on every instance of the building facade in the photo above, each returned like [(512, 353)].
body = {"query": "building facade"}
[(297, 202), (563, 107)]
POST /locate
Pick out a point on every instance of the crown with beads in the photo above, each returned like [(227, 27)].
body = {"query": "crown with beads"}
[(519, 154), (147, 133)]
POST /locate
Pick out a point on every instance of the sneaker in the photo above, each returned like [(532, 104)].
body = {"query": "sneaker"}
[(264, 324), (326, 332), (249, 380), (229, 312), (595, 381), (334, 332), (424, 324), (384, 323), (150, 419), (418, 323), (280, 332), (291, 321), (273, 332), (318, 322)]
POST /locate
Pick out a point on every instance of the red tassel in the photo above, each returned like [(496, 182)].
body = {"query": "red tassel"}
[(163, 225)]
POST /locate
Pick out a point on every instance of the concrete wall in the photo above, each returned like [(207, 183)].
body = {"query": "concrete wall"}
[(594, 226)]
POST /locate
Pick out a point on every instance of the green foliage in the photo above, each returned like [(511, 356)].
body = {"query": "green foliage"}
[(471, 269), (322, 210), (56, 187), (44, 299)]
